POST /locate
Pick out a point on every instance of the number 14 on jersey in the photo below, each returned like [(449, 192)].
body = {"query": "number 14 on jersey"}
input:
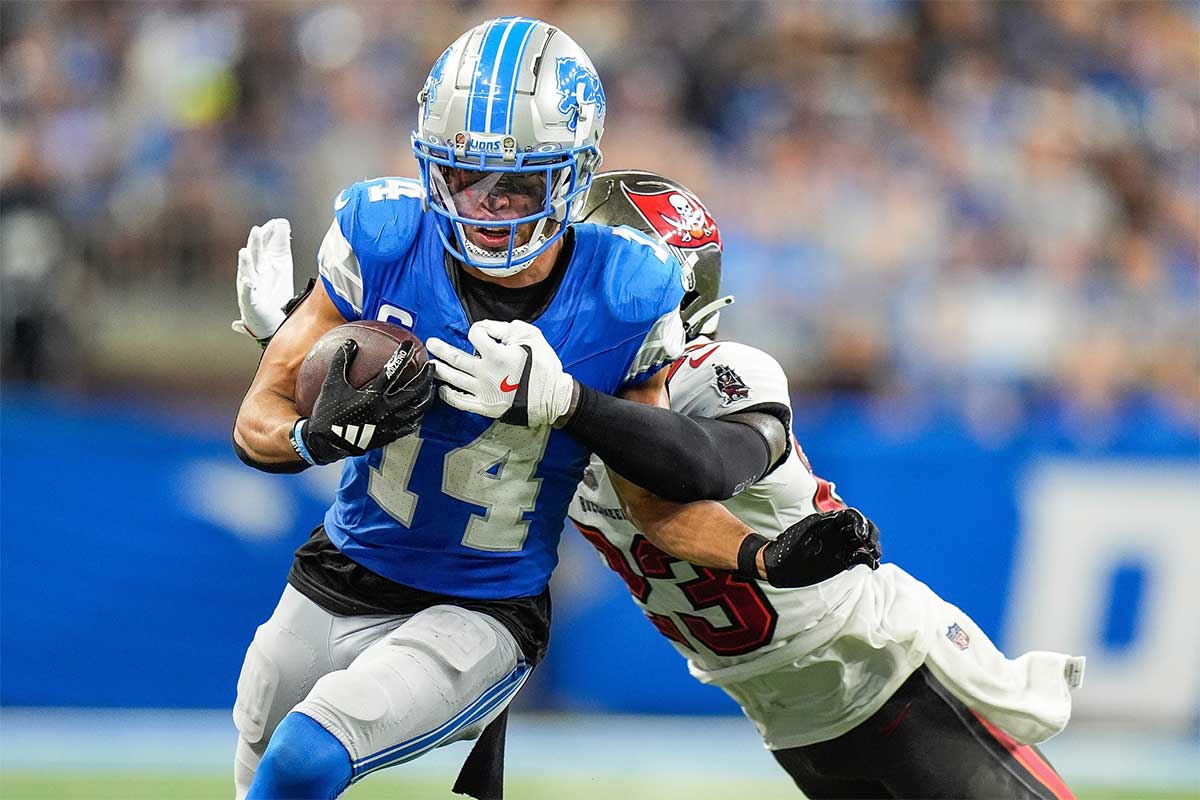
[(495, 471)]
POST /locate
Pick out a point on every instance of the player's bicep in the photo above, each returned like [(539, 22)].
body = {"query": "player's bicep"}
[(652, 391)]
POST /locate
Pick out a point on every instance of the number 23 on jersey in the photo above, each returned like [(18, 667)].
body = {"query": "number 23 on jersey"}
[(752, 618)]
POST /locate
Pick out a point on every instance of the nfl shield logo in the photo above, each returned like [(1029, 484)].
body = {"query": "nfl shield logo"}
[(958, 636)]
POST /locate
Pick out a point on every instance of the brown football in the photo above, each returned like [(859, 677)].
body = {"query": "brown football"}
[(376, 343)]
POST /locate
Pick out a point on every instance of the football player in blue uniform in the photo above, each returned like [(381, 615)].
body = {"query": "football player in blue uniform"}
[(819, 547), (415, 612)]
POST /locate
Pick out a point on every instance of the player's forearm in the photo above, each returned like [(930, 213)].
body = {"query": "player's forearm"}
[(704, 533), (671, 455), (262, 432)]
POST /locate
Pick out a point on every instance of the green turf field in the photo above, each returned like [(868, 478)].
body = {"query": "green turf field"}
[(139, 786)]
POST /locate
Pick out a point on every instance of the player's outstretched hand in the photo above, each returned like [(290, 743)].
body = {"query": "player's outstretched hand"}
[(515, 377), (820, 546), (348, 422), (264, 279)]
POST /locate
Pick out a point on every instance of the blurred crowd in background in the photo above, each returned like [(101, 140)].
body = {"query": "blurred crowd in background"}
[(987, 205)]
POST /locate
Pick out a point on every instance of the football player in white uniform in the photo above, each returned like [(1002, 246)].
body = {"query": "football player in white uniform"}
[(866, 684)]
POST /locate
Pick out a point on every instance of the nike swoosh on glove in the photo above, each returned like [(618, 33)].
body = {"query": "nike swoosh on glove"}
[(264, 279), (820, 546), (348, 422), (515, 376)]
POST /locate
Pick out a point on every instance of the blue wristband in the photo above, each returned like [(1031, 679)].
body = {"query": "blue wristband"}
[(298, 445)]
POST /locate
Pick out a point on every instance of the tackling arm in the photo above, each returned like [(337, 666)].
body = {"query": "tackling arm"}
[(672, 455), (814, 549), (704, 533), (675, 456)]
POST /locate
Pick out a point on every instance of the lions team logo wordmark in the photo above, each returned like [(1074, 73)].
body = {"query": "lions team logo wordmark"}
[(576, 85), (678, 217)]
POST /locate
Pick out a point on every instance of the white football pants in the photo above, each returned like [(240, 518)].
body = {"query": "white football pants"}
[(390, 688)]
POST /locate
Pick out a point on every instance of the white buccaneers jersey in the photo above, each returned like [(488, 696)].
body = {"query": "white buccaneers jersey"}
[(733, 630), (715, 618), (809, 664)]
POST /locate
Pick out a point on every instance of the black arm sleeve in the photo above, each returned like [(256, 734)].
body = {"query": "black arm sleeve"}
[(672, 455), (280, 468)]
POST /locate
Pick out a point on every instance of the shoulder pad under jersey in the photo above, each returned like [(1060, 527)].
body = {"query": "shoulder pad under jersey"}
[(641, 284), (642, 278), (718, 378), (375, 223)]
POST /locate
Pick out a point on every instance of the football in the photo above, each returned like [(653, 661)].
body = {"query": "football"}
[(377, 341)]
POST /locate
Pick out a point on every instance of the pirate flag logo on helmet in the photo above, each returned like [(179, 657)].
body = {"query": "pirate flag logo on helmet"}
[(679, 217)]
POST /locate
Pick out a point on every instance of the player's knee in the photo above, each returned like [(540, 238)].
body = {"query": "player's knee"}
[(272, 680), (303, 761)]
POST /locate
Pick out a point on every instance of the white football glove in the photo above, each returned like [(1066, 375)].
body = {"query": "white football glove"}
[(515, 378), (264, 279)]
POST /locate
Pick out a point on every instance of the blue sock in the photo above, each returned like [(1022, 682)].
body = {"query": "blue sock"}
[(303, 762)]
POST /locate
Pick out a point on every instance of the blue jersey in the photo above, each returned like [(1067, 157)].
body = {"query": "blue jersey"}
[(469, 506)]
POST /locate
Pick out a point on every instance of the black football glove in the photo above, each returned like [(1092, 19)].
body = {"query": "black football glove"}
[(348, 422), (814, 549)]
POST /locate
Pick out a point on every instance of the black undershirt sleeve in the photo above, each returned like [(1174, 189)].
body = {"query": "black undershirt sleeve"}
[(672, 455), (276, 468)]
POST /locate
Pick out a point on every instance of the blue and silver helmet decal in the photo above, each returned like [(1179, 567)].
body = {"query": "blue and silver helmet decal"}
[(494, 84), (435, 78), (571, 77)]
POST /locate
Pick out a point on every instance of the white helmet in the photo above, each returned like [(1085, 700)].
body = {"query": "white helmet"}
[(508, 133)]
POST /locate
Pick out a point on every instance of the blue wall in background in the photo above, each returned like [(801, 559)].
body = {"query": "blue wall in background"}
[(137, 555)]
